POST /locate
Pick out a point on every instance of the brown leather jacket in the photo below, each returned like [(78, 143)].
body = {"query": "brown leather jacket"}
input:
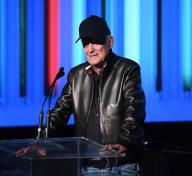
[(122, 103)]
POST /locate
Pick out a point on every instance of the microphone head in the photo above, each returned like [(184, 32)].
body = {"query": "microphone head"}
[(60, 73), (61, 69)]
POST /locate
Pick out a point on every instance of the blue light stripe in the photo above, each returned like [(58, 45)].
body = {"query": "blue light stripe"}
[(170, 49), (115, 20), (186, 43), (12, 51), (94, 7), (2, 51), (148, 46), (78, 14), (131, 29), (29, 53), (65, 42), (65, 39), (36, 55), (108, 14)]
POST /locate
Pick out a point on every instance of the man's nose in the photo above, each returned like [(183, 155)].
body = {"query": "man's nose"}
[(90, 47)]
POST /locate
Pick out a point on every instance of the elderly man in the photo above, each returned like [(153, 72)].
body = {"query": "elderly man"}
[(107, 100)]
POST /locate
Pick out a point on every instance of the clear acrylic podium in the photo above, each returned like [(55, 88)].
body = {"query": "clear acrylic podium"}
[(49, 157)]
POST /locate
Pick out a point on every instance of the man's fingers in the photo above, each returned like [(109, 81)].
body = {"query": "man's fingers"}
[(116, 147)]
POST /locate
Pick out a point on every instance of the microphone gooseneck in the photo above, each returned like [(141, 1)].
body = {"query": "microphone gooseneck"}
[(49, 95), (59, 75)]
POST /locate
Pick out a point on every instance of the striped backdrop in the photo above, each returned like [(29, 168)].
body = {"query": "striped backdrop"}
[(38, 36)]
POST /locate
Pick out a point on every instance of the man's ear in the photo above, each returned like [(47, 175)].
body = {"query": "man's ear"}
[(110, 41)]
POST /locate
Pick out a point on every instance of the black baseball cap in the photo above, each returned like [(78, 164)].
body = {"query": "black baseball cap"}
[(93, 28)]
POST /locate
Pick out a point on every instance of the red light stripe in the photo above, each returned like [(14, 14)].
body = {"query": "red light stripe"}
[(53, 39)]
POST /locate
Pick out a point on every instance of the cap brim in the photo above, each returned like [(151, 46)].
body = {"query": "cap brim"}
[(77, 40)]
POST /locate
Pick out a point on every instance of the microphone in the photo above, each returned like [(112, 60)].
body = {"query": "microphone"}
[(50, 93), (59, 75)]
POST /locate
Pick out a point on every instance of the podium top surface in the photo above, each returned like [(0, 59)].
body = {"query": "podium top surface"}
[(54, 148)]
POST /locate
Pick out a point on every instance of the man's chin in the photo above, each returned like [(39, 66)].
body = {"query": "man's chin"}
[(94, 63), (98, 65)]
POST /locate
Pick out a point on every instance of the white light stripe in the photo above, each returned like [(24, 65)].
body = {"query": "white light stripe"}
[(186, 44), (78, 14), (131, 29)]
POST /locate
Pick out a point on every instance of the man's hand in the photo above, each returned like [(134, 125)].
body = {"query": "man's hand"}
[(117, 148), (31, 151)]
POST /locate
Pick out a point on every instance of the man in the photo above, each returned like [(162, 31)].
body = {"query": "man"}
[(107, 100)]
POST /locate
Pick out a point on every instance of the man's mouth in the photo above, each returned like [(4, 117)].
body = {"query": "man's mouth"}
[(93, 55)]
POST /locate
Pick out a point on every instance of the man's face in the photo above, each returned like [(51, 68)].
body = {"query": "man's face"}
[(96, 53)]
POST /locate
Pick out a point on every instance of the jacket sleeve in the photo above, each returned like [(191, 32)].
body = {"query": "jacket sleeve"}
[(62, 110), (131, 133)]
